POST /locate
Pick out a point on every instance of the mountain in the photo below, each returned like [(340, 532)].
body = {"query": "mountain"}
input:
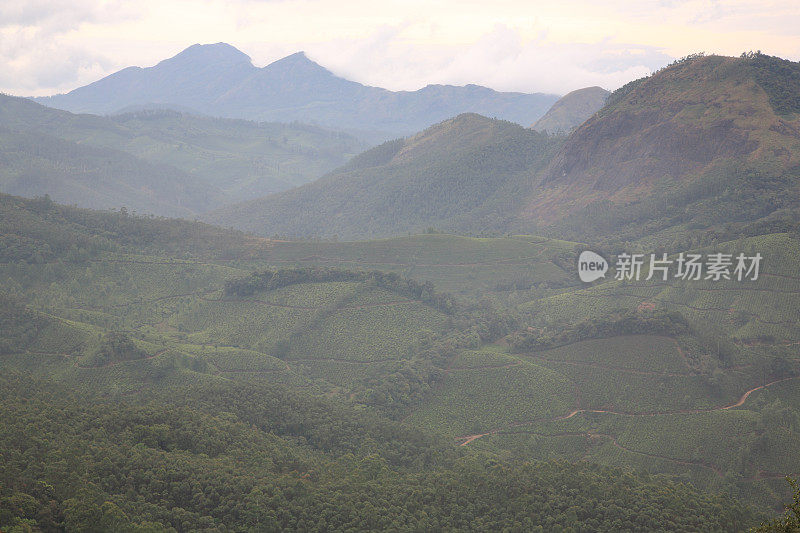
[(158, 161), (194, 78), (465, 173), (669, 155), (680, 150), (572, 110), (219, 80)]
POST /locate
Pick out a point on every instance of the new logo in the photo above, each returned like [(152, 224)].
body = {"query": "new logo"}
[(591, 266)]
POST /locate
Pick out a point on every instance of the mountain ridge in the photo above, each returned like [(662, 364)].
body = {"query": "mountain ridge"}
[(220, 80), (663, 155), (465, 171)]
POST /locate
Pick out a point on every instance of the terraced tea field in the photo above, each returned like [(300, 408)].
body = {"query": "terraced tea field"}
[(715, 403)]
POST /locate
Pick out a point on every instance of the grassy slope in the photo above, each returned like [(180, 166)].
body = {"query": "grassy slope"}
[(738, 333), (507, 268)]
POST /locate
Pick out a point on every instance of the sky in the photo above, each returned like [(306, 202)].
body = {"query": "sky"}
[(52, 46)]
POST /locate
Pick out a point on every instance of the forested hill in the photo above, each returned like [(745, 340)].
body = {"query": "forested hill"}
[(40, 231), (219, 80), (467, 174), (157, 161), (705, 142), (708, 144), (572, 110), (240, 457)]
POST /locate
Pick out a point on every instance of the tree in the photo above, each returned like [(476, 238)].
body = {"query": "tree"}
[(790, 521)]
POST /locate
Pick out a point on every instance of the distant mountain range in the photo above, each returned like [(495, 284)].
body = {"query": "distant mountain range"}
[(219, 80), (707, 143), (572, 110)]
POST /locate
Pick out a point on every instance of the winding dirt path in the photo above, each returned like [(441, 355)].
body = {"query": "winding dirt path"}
[(466, 439), (754, 389)]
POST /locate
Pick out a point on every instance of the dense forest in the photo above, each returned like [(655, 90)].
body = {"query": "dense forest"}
[(245, 457)]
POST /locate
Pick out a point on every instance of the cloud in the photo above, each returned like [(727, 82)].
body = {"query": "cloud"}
[(501, 59), (33, 52), (55, 45), (33, 65)]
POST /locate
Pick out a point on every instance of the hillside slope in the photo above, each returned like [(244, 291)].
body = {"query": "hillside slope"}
[(572, 110), (219, 80), (708, 144), (463, 174), (158, 161), (686, 148), (38, 164)]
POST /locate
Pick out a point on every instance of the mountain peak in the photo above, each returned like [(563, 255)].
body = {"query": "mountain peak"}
[(297, 56), (209, 54), (219, 80), (298, 60)]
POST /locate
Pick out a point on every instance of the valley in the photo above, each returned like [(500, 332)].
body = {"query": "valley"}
[(403, 343)]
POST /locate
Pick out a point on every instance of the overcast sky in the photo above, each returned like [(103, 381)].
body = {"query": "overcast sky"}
[(49, 46)]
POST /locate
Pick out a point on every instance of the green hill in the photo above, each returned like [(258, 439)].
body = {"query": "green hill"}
[(161, 162), (700, 144), (124, 409), (571, 110), (463, 174)]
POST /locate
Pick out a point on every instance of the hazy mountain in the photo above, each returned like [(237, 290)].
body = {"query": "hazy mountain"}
[(675, 152), (220, 80), (466, 174), (158, 161), (572, 110), (194, 78), (37, 164)]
